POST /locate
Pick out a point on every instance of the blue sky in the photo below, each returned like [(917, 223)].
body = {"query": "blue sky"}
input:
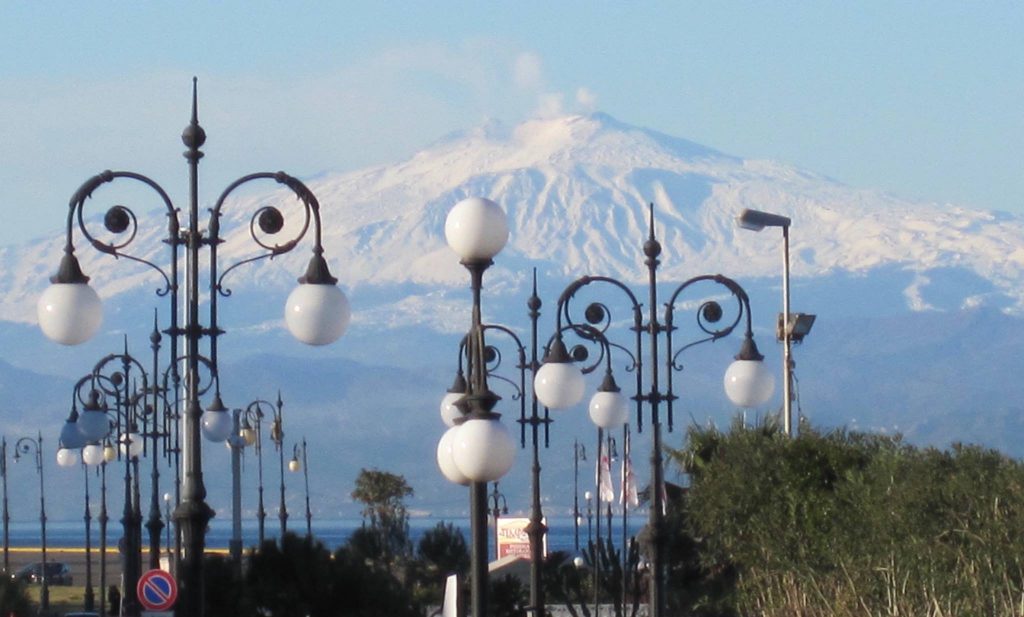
[(923, 99)]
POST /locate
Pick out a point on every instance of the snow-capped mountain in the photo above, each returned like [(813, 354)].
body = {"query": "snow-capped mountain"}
[(576, 190), (919, 304)]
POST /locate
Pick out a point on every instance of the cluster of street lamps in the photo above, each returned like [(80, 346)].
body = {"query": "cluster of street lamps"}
[(316, 312), (477, 449)]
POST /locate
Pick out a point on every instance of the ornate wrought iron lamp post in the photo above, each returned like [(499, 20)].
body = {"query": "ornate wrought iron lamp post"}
[(529, 415), (296, 465), (252, 432), (277, 436), (316, 313), (477, 449), (747, 382), (23, 447)]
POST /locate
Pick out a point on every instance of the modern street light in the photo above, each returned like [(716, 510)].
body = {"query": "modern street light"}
[(296, 465), (747, 382), (499, 506), (252, 432), (23, 447), (579, 453), (790, 325), (316, 312), (478, 449), (277, 436)]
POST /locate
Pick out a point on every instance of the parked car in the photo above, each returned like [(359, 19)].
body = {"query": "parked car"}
[(57, 573)]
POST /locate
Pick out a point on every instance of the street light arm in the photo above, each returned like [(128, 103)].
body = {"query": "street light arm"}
[(269, 220), (118, 220)]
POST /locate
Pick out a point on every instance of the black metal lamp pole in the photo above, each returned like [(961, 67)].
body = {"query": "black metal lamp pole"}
[(477, 449), (253, 417), (71, 312), (22, 447), (527, 364), (90, 600), (103, 518), (277, 436), (294, 465), (748, 382), (579, 453), (158, 423), (499, 506), (6, 513)]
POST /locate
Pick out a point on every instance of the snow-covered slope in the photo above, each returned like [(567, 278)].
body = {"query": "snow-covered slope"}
[(576, 189)]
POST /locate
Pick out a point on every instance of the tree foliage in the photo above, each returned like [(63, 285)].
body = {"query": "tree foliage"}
[(844, 523), (383, 497)]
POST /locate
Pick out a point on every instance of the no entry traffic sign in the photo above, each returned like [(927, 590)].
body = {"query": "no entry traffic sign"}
[(157, 590)]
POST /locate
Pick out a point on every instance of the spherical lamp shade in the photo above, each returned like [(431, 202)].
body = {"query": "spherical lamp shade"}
[(69, 313), (93, 425), (216, 425), (131, 444), (484, 450), (249, 436), (609, 409), (294, 465), (476, 228), (66, 457), (109, 453), (748, 383), (92, 454), (559, 385), (446, 459), (70, 436), (317, 314), (449, 412)]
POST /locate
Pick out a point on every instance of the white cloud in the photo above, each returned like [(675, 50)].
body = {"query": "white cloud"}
[(549, 105), (528, 71), (586, 99)]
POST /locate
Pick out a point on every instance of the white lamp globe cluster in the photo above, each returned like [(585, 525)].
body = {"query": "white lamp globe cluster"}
[(474, 449)]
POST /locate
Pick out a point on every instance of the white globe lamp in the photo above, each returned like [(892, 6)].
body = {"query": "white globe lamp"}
[(66, 457), (92, 454), (216, 425), (608, 407), (446, 457), (317, 314), (476, 229), (449, 411), (131, 444), (93, 424), (69, 313), (483, 450)]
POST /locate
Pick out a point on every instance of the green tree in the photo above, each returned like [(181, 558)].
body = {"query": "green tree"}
[(441, 552), (383, 497)]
